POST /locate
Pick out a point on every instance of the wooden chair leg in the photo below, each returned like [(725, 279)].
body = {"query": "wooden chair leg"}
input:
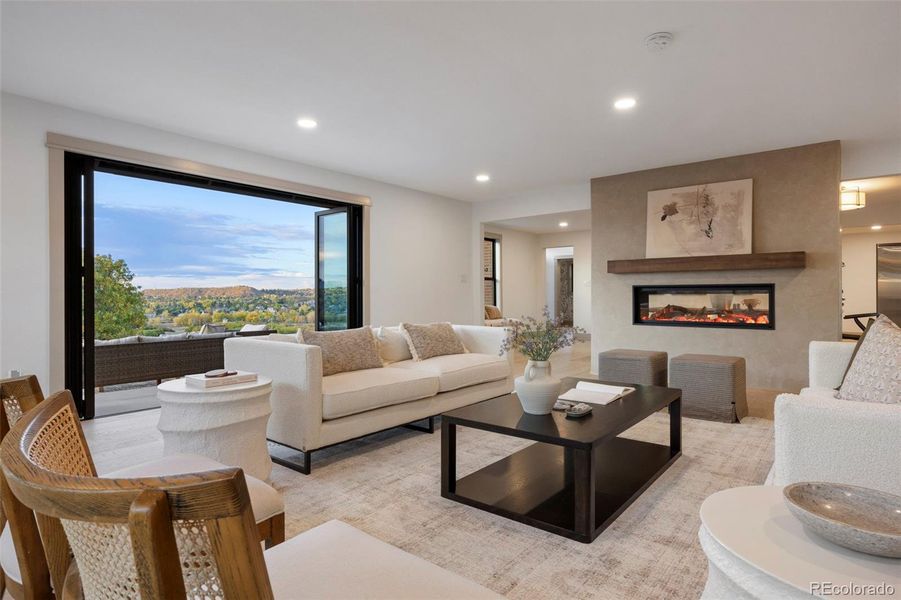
[(272, 530)]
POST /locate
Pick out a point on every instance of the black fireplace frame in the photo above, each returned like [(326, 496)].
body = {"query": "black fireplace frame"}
[(770, 289)]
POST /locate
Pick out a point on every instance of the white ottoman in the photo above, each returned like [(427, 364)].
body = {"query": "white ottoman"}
[(227, 424)]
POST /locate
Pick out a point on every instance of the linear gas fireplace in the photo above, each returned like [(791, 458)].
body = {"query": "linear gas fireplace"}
[(750, 306)]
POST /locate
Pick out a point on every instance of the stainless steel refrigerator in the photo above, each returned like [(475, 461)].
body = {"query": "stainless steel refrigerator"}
[(888, 281)]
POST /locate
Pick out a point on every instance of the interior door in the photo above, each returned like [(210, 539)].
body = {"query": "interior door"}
[(333, 286)]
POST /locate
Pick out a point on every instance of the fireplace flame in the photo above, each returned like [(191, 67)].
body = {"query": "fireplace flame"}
[(680, 314)]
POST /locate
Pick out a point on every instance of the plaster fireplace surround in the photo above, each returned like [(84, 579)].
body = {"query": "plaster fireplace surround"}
[(740, 306), (796, 252)]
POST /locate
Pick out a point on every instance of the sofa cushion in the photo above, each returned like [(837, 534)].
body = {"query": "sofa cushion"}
[(393, 345), (343, 351), (358, 391), (265, 500), (875, 371), (455, 371), (434, 339)]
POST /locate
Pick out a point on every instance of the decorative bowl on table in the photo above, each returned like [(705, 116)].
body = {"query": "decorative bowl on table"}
[(854, 517)]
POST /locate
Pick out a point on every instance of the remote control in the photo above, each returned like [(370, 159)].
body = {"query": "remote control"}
[(578, 410)]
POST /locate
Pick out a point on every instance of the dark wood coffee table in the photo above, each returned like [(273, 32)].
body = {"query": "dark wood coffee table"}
[(579, 478)]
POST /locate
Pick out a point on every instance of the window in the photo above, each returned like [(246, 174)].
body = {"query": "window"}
[(491, 254), (162, 266)]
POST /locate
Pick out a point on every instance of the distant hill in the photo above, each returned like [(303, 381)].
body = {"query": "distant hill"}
[(234, 291)]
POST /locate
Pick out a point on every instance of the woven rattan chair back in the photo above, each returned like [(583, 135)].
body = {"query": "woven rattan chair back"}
[(177, 536), (18, 395)]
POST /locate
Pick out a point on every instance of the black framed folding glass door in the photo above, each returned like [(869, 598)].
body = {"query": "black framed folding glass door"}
[(338, 270), (161, 267)]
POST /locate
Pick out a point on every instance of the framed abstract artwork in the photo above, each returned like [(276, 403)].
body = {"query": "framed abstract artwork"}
[(700, 220)]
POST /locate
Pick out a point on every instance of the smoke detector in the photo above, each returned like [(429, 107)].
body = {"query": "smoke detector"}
[(658, 42)]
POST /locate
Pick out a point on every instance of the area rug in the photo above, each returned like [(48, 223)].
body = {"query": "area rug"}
[(388, 485)]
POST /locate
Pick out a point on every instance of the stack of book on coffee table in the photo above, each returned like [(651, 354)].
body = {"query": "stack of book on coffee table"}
[(596, 393)]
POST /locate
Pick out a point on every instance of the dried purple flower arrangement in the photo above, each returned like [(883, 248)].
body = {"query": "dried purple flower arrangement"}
[(538, 339)]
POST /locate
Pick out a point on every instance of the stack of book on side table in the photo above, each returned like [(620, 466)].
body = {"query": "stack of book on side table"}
[(219, 378)]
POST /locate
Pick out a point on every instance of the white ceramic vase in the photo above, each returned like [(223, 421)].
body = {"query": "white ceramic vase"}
[(537, 390)]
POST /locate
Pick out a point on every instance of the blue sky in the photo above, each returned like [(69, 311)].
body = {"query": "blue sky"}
[(179, 236)]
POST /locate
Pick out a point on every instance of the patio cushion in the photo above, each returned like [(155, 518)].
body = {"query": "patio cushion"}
[(308, 566), (455, 371), (358, 391), (265, 500)]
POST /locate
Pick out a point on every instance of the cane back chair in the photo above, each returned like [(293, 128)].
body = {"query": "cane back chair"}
[(28, 578), (157, 537)]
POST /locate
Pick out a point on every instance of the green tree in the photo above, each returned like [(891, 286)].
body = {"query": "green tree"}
[(118, 303)]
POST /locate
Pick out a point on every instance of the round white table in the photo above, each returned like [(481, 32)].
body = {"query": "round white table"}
[(226, 423), (757, 549)]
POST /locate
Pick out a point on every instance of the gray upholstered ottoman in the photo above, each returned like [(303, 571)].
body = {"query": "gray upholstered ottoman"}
[(713, 387), (632, 366)]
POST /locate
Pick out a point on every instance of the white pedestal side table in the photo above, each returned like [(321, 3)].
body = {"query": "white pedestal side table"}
[(757, 549), (225, 423)]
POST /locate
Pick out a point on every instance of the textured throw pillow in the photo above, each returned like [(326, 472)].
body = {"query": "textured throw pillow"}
[(875, 371), (342, 351), (392, 344), (435, 339), (493, 312)]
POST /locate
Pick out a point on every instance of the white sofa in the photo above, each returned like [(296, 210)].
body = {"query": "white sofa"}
[(822, 438), (310, 412)]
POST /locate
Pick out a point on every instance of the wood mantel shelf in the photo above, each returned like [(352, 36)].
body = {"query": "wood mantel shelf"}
[(722, 262)]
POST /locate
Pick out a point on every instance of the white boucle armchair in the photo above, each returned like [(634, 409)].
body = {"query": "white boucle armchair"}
[(822, 438)]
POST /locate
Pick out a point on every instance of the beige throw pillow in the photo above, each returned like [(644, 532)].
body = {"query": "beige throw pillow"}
[(436, 339), (875, 371), (493, 312), (342, 351)]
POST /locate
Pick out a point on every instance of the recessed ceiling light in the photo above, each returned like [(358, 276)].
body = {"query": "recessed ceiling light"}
[(564, 224), (625, 103), (483, 177), (307, 123), (875, 227)]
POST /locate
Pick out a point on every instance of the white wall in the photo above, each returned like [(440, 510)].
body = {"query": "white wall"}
[(524, 279), (541, 201), (580, 241), (859, 272), (420, 264), (522, 293)]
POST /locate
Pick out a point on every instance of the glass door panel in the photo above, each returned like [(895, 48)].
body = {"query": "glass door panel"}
[(332, 282)]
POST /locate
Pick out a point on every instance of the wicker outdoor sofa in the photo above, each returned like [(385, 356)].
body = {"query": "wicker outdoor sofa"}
[(149, 358)]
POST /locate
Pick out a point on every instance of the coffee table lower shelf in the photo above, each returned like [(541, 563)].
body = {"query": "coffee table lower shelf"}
[(536, 485)]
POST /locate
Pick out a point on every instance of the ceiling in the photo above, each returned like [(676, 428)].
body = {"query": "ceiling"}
[(883, 204), (577, 220), (427, 95)]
